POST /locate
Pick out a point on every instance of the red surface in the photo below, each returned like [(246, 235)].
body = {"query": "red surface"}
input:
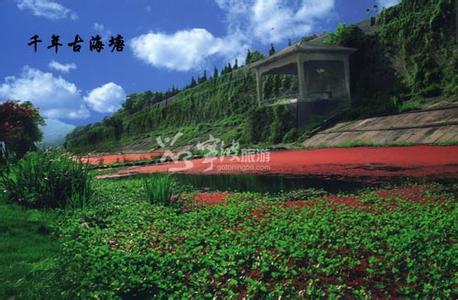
[(414, 161), (118, 158), (413, 193), (210, 198)]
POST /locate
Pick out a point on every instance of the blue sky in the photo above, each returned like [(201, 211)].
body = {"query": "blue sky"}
[(167, 42)]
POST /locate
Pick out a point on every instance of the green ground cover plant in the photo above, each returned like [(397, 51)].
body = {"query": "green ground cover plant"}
[(259, 246)]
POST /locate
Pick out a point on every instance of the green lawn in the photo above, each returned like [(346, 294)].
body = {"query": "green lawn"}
[(27, 249)]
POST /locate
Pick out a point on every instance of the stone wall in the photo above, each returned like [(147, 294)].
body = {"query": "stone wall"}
[(437, 125)]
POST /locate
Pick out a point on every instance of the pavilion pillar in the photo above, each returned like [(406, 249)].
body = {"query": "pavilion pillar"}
[(347, 76), (259, 86), (301, 78)]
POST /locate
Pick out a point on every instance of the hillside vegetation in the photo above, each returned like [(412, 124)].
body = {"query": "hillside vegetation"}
[(413, 56)]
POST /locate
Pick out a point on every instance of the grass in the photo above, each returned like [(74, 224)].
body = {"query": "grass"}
[(159, 189), (27, 252), (358, 143), (46, 179), (447, 143)]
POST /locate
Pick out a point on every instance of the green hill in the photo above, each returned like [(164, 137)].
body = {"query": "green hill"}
[(411, 57)]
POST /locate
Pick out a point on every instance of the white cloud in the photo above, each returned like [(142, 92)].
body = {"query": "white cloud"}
[(387, 3), (107, 98), (275, 20), (64, 68), (248, 21), (102, 30), (47, 8), (183, 50), (54, 132), (54, 96)]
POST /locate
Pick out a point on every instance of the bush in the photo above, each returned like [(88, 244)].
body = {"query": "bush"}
[(290, 136), (159, 189), (46, 179)]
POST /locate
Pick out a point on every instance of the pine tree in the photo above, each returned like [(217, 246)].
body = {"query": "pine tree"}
[(248, 57), (215, 73), (236, 64), (203, 78), (253, 57), (193, 82), (229, 68), (272, 50)]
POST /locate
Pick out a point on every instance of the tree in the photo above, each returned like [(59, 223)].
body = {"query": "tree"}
[(129, 103), (236, 64), (193, 82), (248, 56), (252, 57), (203, 78), (19, 126), (229, 68), (215, 73), (116, 123), (272, 50)]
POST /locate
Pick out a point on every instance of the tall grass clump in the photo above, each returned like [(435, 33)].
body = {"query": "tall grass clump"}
[(159, 189), (46, 179)]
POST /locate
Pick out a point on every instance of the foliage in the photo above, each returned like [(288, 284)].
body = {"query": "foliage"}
[(421, 36), (413, 54), (256, 247), (159, 189), (46, 179), (290, 136), (372, 75), (273, 124), (232, 94), (283, 120), (19, 126), (253, 56)]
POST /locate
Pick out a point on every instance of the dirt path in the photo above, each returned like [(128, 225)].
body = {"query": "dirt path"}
[(110, 159), (414, 161)]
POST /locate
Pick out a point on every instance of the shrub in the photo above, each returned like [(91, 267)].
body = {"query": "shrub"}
[(159, 189), (46, 179), (290, 136)]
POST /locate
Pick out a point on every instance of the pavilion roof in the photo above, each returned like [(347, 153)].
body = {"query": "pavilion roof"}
[(302, 46)]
